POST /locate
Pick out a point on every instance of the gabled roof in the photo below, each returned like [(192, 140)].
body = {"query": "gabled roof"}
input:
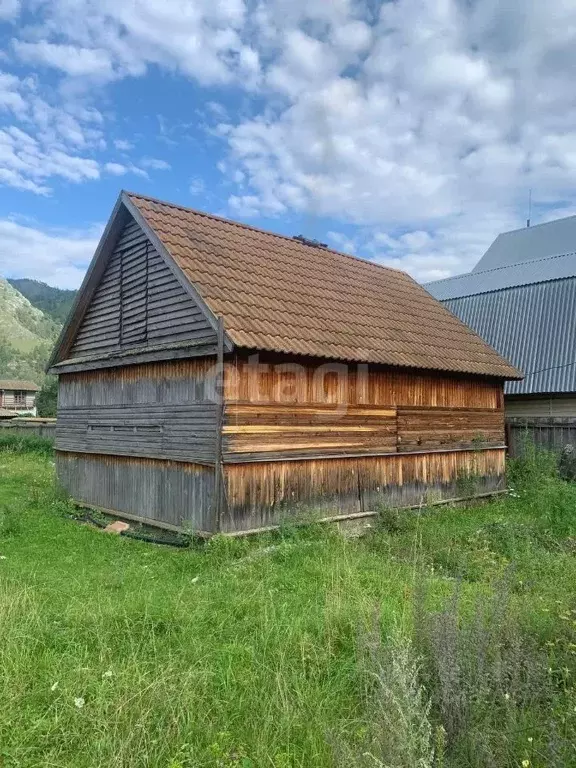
[(26, 386), (530, 243), (524, 273), (278, 294)]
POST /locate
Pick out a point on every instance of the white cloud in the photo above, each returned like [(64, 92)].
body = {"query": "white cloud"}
[(155, 164), (450, 247), (39, 141), (10, 97), (118, 169), (433, 135), (111, 39), (74, 61), (25, 163), (196, 187), (9, 9), (123, 145), (421, 124), (58, 258), (341, 242)]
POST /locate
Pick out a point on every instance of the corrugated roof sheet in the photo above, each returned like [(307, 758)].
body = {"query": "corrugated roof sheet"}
[(275, 293), (524, 273), (530, 243), (27, 386), (533, 326)]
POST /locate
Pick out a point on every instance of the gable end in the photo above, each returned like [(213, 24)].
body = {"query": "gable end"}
[(138, 303)]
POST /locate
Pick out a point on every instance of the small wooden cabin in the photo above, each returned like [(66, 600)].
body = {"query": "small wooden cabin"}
[(216, 377), (18, 397)]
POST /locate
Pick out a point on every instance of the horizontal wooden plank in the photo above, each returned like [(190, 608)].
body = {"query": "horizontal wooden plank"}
[(263, 429), (116, 450)]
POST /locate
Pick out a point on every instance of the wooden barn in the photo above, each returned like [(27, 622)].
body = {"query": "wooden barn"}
[(216, 377)]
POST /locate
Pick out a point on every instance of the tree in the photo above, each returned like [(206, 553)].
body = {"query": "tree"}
[(47, 399)]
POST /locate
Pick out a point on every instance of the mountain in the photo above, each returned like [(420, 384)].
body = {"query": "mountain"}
[(54, 302), (27, 336)]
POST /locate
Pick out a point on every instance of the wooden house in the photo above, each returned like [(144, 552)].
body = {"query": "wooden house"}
[(18, 398), (216, 377)]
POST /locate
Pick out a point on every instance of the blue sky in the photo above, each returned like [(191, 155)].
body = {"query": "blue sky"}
[(408, 132)]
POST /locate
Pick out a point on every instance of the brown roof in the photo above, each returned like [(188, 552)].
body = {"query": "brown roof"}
[(27, 386), (275, 293)]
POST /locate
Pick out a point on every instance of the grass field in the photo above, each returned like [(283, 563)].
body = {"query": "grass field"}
[(441, 639)]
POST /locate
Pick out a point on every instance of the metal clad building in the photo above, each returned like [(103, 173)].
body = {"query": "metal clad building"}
[(526, 310)]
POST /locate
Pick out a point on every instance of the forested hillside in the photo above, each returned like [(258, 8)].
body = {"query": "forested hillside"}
[(27, 335), (54, 302)]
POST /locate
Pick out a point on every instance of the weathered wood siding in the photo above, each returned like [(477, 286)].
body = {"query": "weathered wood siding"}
[(342, 440), (164, 492), (288, 411), (271, 380), (138, 303), (157, 410), (427, 428), (259, 430), (268, 493), (132, 439)]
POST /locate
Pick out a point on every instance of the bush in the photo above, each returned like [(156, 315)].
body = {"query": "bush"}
[(489, 684), (397, 733)]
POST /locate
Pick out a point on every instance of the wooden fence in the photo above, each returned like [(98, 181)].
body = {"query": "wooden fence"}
[(549, 432), (29, 426)]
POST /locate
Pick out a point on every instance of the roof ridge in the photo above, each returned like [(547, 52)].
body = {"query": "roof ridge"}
[(504, 266), (261, 231), (535, 226)]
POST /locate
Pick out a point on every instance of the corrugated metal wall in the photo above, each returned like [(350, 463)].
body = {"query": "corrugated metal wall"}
[(532, 326)]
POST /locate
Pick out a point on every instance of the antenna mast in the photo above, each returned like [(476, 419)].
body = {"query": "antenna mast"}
[(529, 207)]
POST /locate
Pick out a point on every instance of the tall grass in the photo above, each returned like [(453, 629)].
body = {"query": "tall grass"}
[(26, 444), (446, 640)]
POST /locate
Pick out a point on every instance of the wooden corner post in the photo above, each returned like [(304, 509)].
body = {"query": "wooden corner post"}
[(219, 394)]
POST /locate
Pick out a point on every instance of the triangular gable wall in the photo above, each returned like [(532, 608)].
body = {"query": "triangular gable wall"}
[(138, 303)]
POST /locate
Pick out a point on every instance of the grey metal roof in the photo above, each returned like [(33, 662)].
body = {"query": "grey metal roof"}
[(530, 243), (524, 273), (533, 326)]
